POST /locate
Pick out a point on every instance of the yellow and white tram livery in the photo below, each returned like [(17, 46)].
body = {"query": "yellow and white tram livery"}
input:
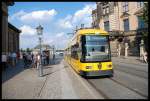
[(88, 52)]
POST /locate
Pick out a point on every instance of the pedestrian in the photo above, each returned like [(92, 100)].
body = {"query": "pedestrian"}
[(34, 61), (47, 58), (25, 60), (54, 58), (4, 61), (29, 58), (32, 55), (44, 58), (18, 56), (9, 59), (38, 60), (14, 56), (145, 57)]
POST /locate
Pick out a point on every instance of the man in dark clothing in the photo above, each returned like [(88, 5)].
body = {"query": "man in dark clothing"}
[(25, 60), (47, 58)]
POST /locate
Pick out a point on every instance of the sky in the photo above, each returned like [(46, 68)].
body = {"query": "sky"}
[(56, 18)]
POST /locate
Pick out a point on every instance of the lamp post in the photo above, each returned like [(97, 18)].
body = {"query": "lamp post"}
[(39, 33)]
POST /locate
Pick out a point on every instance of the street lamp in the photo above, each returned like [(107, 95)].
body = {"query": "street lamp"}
[(39, 33)]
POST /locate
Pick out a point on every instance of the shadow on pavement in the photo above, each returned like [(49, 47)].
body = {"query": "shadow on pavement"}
[(10, 71), (98, 77), (56, 61)]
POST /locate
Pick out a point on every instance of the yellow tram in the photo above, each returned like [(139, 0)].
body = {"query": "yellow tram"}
[(88, 52)]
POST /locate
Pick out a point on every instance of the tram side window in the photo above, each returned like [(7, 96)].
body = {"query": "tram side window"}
[(74, 51)]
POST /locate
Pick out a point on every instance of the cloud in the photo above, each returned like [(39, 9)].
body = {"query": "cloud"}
[(42, 15), (34, 16), (27, 30), (60, 34), (17, 15), (82, 16), (66, 22)]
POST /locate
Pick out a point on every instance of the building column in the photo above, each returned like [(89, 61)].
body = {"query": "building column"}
[(141, 49), (126, 49), (119, 50)]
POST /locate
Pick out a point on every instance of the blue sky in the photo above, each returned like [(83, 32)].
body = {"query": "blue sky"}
[(57, 19)]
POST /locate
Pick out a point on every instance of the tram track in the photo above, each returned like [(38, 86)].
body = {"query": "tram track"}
[(132, 68), (121, 84), (106, 94), (98, 90), (132, 73)]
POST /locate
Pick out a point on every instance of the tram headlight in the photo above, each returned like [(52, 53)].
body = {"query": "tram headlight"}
[(88, 67), (109, 66)]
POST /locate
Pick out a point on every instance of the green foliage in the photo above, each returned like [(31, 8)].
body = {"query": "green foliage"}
[(28, 50), (145, 13), (145, 18)]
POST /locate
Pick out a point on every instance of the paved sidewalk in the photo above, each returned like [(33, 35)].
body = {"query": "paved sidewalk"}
[(59, 82), (21, 83), (129, 59)]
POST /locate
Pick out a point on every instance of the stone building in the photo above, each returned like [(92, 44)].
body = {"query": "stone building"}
[(10, 34), (5, 26), (123, 21), (13, 38)]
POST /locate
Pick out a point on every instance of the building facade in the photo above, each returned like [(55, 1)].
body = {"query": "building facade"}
[(5, 26), (123, 21), (13, 38), (10, 34)]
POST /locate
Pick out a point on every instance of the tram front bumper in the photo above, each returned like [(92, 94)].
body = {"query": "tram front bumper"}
[(97, 73)]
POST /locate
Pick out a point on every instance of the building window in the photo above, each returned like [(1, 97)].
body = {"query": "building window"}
[(141, 23), (140, 4), (106, 10), (106, 25), (125, 6), (126, 24)]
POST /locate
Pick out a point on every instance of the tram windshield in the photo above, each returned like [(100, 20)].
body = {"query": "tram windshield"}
[(95, 48)]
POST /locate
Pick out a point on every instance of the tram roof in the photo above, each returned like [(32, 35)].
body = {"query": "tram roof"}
[(92, 31)]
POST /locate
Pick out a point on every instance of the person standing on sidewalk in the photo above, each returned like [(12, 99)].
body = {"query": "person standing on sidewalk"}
[(145, 56), (34, 60), (38, 60), (47, 58), (25, 60), (14, 56), (44, 58), (18, 56), (4, 61)]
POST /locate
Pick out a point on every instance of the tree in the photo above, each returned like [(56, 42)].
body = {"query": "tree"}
[(145, 12), (28, 50), (145, 18)]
